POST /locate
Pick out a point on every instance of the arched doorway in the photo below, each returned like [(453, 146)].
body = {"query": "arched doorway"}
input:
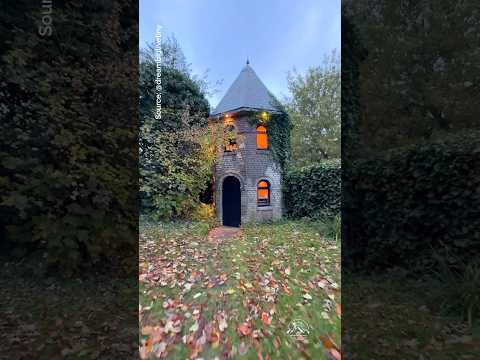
[(231, 202)]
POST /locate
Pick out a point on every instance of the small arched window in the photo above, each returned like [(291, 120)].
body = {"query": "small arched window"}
[(263, 193), (262, 138)]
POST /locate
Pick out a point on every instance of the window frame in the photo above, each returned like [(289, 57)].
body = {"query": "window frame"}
[(268, 188)]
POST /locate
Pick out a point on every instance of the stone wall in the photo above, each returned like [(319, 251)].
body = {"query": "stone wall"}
[(250, 165)]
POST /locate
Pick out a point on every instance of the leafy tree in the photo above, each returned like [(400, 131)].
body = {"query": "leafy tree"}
[(172, 57), (175, 162), (420, 79), (173, 61), (315, 112)]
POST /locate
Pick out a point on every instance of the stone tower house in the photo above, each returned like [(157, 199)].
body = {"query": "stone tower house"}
[(247, 179)]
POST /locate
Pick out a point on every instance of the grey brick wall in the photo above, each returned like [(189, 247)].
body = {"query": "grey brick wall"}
[(250, 166)]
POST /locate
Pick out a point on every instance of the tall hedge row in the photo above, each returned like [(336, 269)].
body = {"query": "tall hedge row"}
[(400, 208), (313, 190), (69, 154)]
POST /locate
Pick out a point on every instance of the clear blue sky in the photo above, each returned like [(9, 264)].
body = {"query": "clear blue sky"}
[(219, 35)]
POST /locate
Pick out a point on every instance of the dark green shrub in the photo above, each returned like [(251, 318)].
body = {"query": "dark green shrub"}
[(398, 208), (69, 156), (313, 191)]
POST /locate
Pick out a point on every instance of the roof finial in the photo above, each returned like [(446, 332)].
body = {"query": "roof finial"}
[(248, 62)]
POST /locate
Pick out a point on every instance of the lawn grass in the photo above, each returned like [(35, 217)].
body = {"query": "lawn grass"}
[(257, 284)]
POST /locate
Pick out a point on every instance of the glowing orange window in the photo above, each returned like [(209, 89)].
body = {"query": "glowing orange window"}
[(228, 120), (263, 193), (262, 138)]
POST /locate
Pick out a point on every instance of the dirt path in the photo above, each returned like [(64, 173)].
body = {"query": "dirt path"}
[(222, 233)]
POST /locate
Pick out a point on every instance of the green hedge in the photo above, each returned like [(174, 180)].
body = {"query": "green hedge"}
[(398, 209), (313, 191), (69, 154)]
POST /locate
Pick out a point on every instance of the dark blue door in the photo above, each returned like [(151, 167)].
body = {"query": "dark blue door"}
[(231, 202)]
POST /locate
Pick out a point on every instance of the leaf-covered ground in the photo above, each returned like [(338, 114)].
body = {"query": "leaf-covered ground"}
[(52, 318), (266, 292), (393, 316)]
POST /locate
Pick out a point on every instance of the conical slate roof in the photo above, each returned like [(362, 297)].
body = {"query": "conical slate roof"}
[(246, 92)]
